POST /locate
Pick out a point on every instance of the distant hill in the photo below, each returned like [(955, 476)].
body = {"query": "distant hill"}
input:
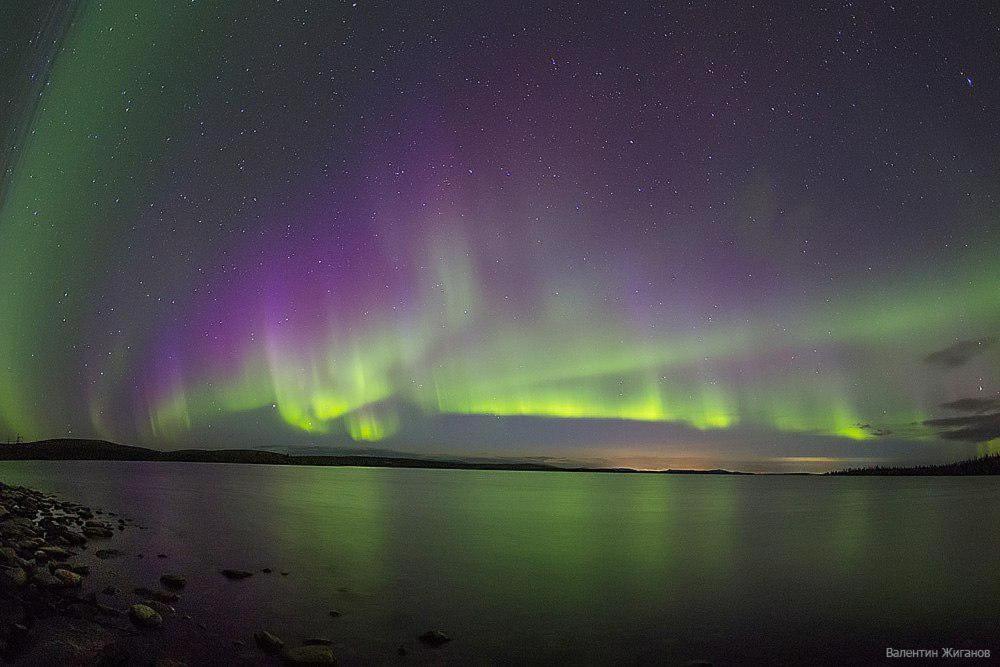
[(71, 449), (987, 465), (67, 449)]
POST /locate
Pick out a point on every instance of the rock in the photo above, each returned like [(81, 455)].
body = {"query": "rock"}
[(82, 570), (106, 610), (144, 616), (64, 641), (266, 570), (30, 545), (174, 581), (104, 554), (401, 650), (56, 553), (68, 579), (309, 655), (168, 662), (12, 577), (434, 638), (110, 590), (93, 531), (268, 642), (161, 555), (161, 608), (8, 556), (45, 579), (317, 641), (236, 574), (160, 596), (74, 538), (334, 613)]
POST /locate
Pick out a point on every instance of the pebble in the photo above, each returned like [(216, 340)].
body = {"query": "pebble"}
[(236, 574), (268, 642), (308, 655), (174, 581), (67, 578), (434, 638), (145, 616)]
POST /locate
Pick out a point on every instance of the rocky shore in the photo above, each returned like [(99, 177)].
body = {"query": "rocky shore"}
[(52, 614)]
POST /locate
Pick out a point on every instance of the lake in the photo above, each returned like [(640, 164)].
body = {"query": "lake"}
[(543, 567)]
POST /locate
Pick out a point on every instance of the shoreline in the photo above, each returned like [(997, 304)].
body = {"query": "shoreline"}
[(56, 607)]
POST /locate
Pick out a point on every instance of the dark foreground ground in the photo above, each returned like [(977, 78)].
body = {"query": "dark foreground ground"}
[(49, 615)]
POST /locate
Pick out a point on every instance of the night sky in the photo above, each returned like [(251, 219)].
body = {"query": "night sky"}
[(656, 234)]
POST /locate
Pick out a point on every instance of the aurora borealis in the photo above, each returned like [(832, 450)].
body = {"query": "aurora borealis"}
[(654, 234)]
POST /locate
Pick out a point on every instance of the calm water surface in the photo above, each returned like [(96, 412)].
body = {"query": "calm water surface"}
[(560, 567)]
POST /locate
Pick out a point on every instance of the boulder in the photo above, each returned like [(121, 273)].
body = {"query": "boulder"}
[(174, 581)]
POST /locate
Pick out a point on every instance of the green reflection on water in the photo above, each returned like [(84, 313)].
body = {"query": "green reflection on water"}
[(340, 518)]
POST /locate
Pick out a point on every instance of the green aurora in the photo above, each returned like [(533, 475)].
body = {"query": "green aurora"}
[(114, 327)]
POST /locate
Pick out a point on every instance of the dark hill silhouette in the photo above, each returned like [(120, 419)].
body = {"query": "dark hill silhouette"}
[(986, 465), (67, 449), (72, 449)]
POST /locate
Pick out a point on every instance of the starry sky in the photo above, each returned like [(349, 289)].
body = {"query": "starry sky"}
[(691, 234)]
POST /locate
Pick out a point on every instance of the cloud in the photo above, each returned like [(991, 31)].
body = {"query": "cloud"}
[(875, 430), (970, 428), (973, 405), (959, 353)]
